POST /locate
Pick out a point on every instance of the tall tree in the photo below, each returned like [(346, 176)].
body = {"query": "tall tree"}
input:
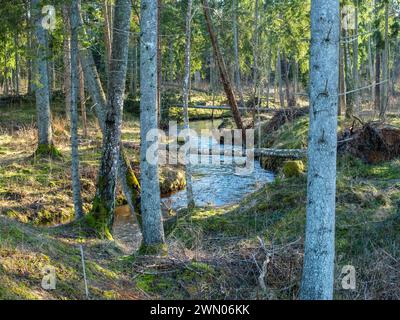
[(226, 82), (102, 215), (67, 58), (153, 231), (129, 183), (74, 59), (42, 90), (318, 272), (186, 88), (238, 76)]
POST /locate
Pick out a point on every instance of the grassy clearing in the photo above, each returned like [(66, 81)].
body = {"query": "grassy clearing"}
[(25, 251)]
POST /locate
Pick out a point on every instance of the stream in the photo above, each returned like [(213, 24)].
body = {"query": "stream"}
[(217, 185), (213, 185)]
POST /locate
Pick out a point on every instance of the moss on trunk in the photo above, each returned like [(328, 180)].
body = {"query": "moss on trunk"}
[(100, 219)]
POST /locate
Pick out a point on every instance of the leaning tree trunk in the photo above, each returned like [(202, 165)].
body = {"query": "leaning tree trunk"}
[(153, 231), (74, 58), (318, 272), (223, 72), (42, 90), (236, 51), (186, 87), (102, 214)]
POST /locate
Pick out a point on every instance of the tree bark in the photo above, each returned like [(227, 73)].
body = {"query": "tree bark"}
[(318, 271), (127, 177), (279, 80), (186, 87), (42, 90), (102, 214), (236, 51), (67, 58), (82, 99), (153, 231), (385, 67), (223, 72), (76, 184)]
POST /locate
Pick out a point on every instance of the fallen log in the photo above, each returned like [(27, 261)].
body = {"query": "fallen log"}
[(282, 153)]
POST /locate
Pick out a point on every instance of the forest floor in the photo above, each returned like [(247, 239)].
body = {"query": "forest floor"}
[(249, 250)]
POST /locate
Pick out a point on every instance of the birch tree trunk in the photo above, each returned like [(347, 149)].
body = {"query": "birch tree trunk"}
[(318, 272), (186, 87), (153, 231), (102, 215), (42, 90), (76, 184)]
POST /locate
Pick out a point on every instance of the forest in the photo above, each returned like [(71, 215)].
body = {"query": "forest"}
[(200, 150)]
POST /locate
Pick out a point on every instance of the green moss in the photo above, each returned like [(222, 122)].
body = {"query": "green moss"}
[(99, 219), (156, 249), (48, 150), (293, 168)]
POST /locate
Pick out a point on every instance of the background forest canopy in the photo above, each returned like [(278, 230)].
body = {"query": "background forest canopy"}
[(283, 30)]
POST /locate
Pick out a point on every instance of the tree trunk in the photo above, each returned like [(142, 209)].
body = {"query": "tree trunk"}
[(279, 79), (318, 271), (67, 59), (236, 51), (223, 72), (102, 214), (162, 115), (371, 68), (255, 49), (107, 36), (186, 87), (82, 99), (378, 79), (76, 184), (385, 67), (153, 231), (355, 59), (129, 183), (342, 104), (349, 78), (42, 90), (16, 43)]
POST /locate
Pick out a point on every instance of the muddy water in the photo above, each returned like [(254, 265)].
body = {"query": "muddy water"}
[(213, 184)]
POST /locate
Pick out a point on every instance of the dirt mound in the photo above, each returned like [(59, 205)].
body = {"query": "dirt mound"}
[(373, 143), (281, 117)]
